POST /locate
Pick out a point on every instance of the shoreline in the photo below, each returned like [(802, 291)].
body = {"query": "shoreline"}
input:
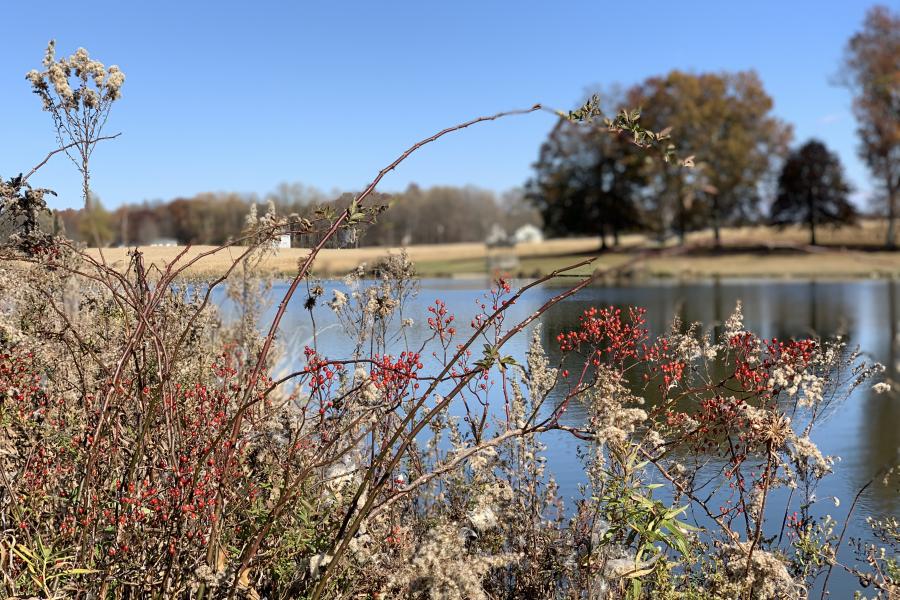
[(749, 252), (824, 264)]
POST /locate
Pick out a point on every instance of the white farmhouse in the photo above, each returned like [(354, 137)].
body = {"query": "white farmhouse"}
[(528, 234)]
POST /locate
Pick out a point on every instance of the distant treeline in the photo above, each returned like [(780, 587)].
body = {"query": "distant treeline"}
[(467, 214)]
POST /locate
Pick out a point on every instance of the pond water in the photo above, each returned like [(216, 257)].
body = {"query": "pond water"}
[(864, 430)]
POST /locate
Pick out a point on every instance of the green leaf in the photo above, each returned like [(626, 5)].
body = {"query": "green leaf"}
[(78, 571), (674, 512)]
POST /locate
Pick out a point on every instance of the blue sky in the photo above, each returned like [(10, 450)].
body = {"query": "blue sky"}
[(240, 96)]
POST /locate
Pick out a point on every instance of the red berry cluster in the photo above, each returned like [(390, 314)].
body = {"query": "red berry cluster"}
[(660, 358), (503, 285), (395, 377), (756, 359), (322, 373), (794, 353), (20, 384), (441, 322), (607, 333)]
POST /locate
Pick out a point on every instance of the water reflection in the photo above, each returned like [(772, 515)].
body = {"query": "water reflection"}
[(865, 430)]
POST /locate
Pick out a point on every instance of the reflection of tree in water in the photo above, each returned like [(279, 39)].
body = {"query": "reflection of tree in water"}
[(880, 415)]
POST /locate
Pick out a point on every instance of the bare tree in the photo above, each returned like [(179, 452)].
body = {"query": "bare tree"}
[(872, 72)]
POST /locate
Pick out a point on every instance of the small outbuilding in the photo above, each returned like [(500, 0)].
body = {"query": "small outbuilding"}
[(528, 234), (497, 237)]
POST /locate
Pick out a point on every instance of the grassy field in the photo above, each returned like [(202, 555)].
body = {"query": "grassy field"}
[(746, 252), (338, 262)]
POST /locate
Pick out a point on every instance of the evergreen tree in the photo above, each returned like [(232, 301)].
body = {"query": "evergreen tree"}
[(812, 190)]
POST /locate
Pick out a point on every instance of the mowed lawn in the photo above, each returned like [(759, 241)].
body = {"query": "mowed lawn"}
[(746, 252)]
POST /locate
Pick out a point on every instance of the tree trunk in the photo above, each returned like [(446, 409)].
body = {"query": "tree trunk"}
[(812, 219), (717, 234), (124, 226), (890, 242)]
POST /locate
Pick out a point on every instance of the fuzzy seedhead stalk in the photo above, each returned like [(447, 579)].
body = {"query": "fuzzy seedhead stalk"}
[(78, 92)]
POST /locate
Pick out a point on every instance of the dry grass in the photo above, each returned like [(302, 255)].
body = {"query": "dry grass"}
[(332, 262), (826, 264), (748, 252), (869, 233)]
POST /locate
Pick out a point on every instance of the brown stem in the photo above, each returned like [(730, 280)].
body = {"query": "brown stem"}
[(63, 149), (762, 510), (840, 541)]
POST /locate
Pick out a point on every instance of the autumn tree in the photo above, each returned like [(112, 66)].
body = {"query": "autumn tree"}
[(516, 210), (468, 213), (812, 190), (872, 72), (587, 181), (96, 223), (725, 121)]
